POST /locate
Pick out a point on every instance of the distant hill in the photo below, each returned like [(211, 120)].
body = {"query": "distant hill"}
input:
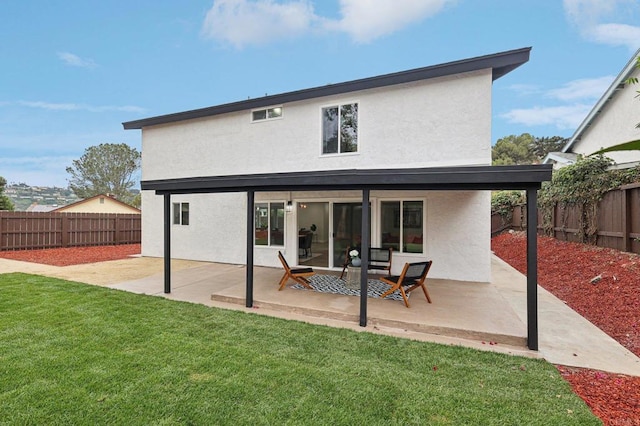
[(23, 195)]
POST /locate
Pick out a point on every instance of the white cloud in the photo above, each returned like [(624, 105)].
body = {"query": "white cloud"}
[(577, 98), (525, 89), (75, 60), (249, 22), (586, 88), (244, 22), (79, 107), (611, 22), (366, 20), (563, 117), (617, 34)]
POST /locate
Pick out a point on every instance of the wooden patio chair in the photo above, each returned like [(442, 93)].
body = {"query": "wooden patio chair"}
[(299, 275), (413, 276)]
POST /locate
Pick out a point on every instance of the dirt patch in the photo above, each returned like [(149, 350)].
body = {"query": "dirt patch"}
[(603, 285), (102, 265)]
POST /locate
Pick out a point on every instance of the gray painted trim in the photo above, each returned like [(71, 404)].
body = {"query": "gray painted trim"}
[(435, 178), (500, 64)]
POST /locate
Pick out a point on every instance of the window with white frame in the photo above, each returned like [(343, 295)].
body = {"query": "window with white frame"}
[(269, 224), (266, 114), (340, 129), (180, 213), (401, 225)]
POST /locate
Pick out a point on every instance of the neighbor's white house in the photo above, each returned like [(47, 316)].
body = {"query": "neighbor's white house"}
[(612, 121), (432, 117)]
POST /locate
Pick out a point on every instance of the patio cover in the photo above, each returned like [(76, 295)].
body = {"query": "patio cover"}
[(468, 178)]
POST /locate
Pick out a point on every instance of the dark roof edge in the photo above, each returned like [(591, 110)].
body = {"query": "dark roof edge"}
[(500, 63), (457, 176)]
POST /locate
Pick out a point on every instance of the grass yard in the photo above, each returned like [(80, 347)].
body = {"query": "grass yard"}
[(72, 353)]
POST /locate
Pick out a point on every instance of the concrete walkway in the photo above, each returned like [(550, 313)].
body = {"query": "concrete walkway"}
[(486, 316)]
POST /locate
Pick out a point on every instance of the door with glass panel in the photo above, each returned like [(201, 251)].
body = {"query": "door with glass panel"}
[(313, 227), (347, 229)]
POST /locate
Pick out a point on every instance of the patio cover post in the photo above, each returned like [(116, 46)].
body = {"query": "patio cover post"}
[(167, 243), (249, 272), (364, 248), (532, 269)]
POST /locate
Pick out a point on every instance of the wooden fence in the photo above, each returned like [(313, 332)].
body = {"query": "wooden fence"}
[(36, 230), (617, 220)]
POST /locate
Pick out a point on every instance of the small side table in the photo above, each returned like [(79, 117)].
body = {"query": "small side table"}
[(353, 277)]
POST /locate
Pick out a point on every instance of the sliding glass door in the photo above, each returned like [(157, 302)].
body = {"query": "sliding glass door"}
[(347, 229)]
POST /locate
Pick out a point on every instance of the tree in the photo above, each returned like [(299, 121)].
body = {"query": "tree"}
[(5, 202), (524, 149), (540, 147), (513, 150), (106, 168)]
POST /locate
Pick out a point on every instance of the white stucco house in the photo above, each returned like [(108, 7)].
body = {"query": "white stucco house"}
[(611, 121), (405, 156)]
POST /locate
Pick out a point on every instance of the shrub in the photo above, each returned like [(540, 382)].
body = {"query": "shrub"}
[(583, 185), (503, 202)]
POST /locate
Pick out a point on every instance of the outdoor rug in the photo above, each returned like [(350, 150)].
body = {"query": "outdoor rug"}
[(332, 284)]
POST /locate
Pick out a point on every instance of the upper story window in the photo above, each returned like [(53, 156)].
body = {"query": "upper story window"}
[(340, 129), (266, 114), (180, 213)]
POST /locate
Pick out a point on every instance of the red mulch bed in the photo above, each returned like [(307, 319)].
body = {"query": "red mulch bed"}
[(73, 255), (603, 285)]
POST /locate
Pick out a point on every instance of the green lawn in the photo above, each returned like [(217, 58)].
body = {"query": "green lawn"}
[(77, 354)]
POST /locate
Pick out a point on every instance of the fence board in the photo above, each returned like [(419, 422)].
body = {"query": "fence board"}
[(37, 230), (618, 220), (633, 217)]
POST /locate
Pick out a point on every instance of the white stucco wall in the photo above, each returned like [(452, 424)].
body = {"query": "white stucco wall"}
[(439, 122), (216, 230), (614, 125), (456, 230)]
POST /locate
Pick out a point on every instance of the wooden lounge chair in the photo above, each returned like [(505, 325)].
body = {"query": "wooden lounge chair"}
[(299, 275), (413, 276), (379, 259)]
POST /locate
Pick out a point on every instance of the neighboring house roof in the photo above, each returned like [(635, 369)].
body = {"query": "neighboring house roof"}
[(101, 203), (617, 85), (41, 208), (500, 64), (563, 158)]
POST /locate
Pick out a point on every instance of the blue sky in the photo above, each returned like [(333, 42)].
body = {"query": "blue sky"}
[(72, 71)]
